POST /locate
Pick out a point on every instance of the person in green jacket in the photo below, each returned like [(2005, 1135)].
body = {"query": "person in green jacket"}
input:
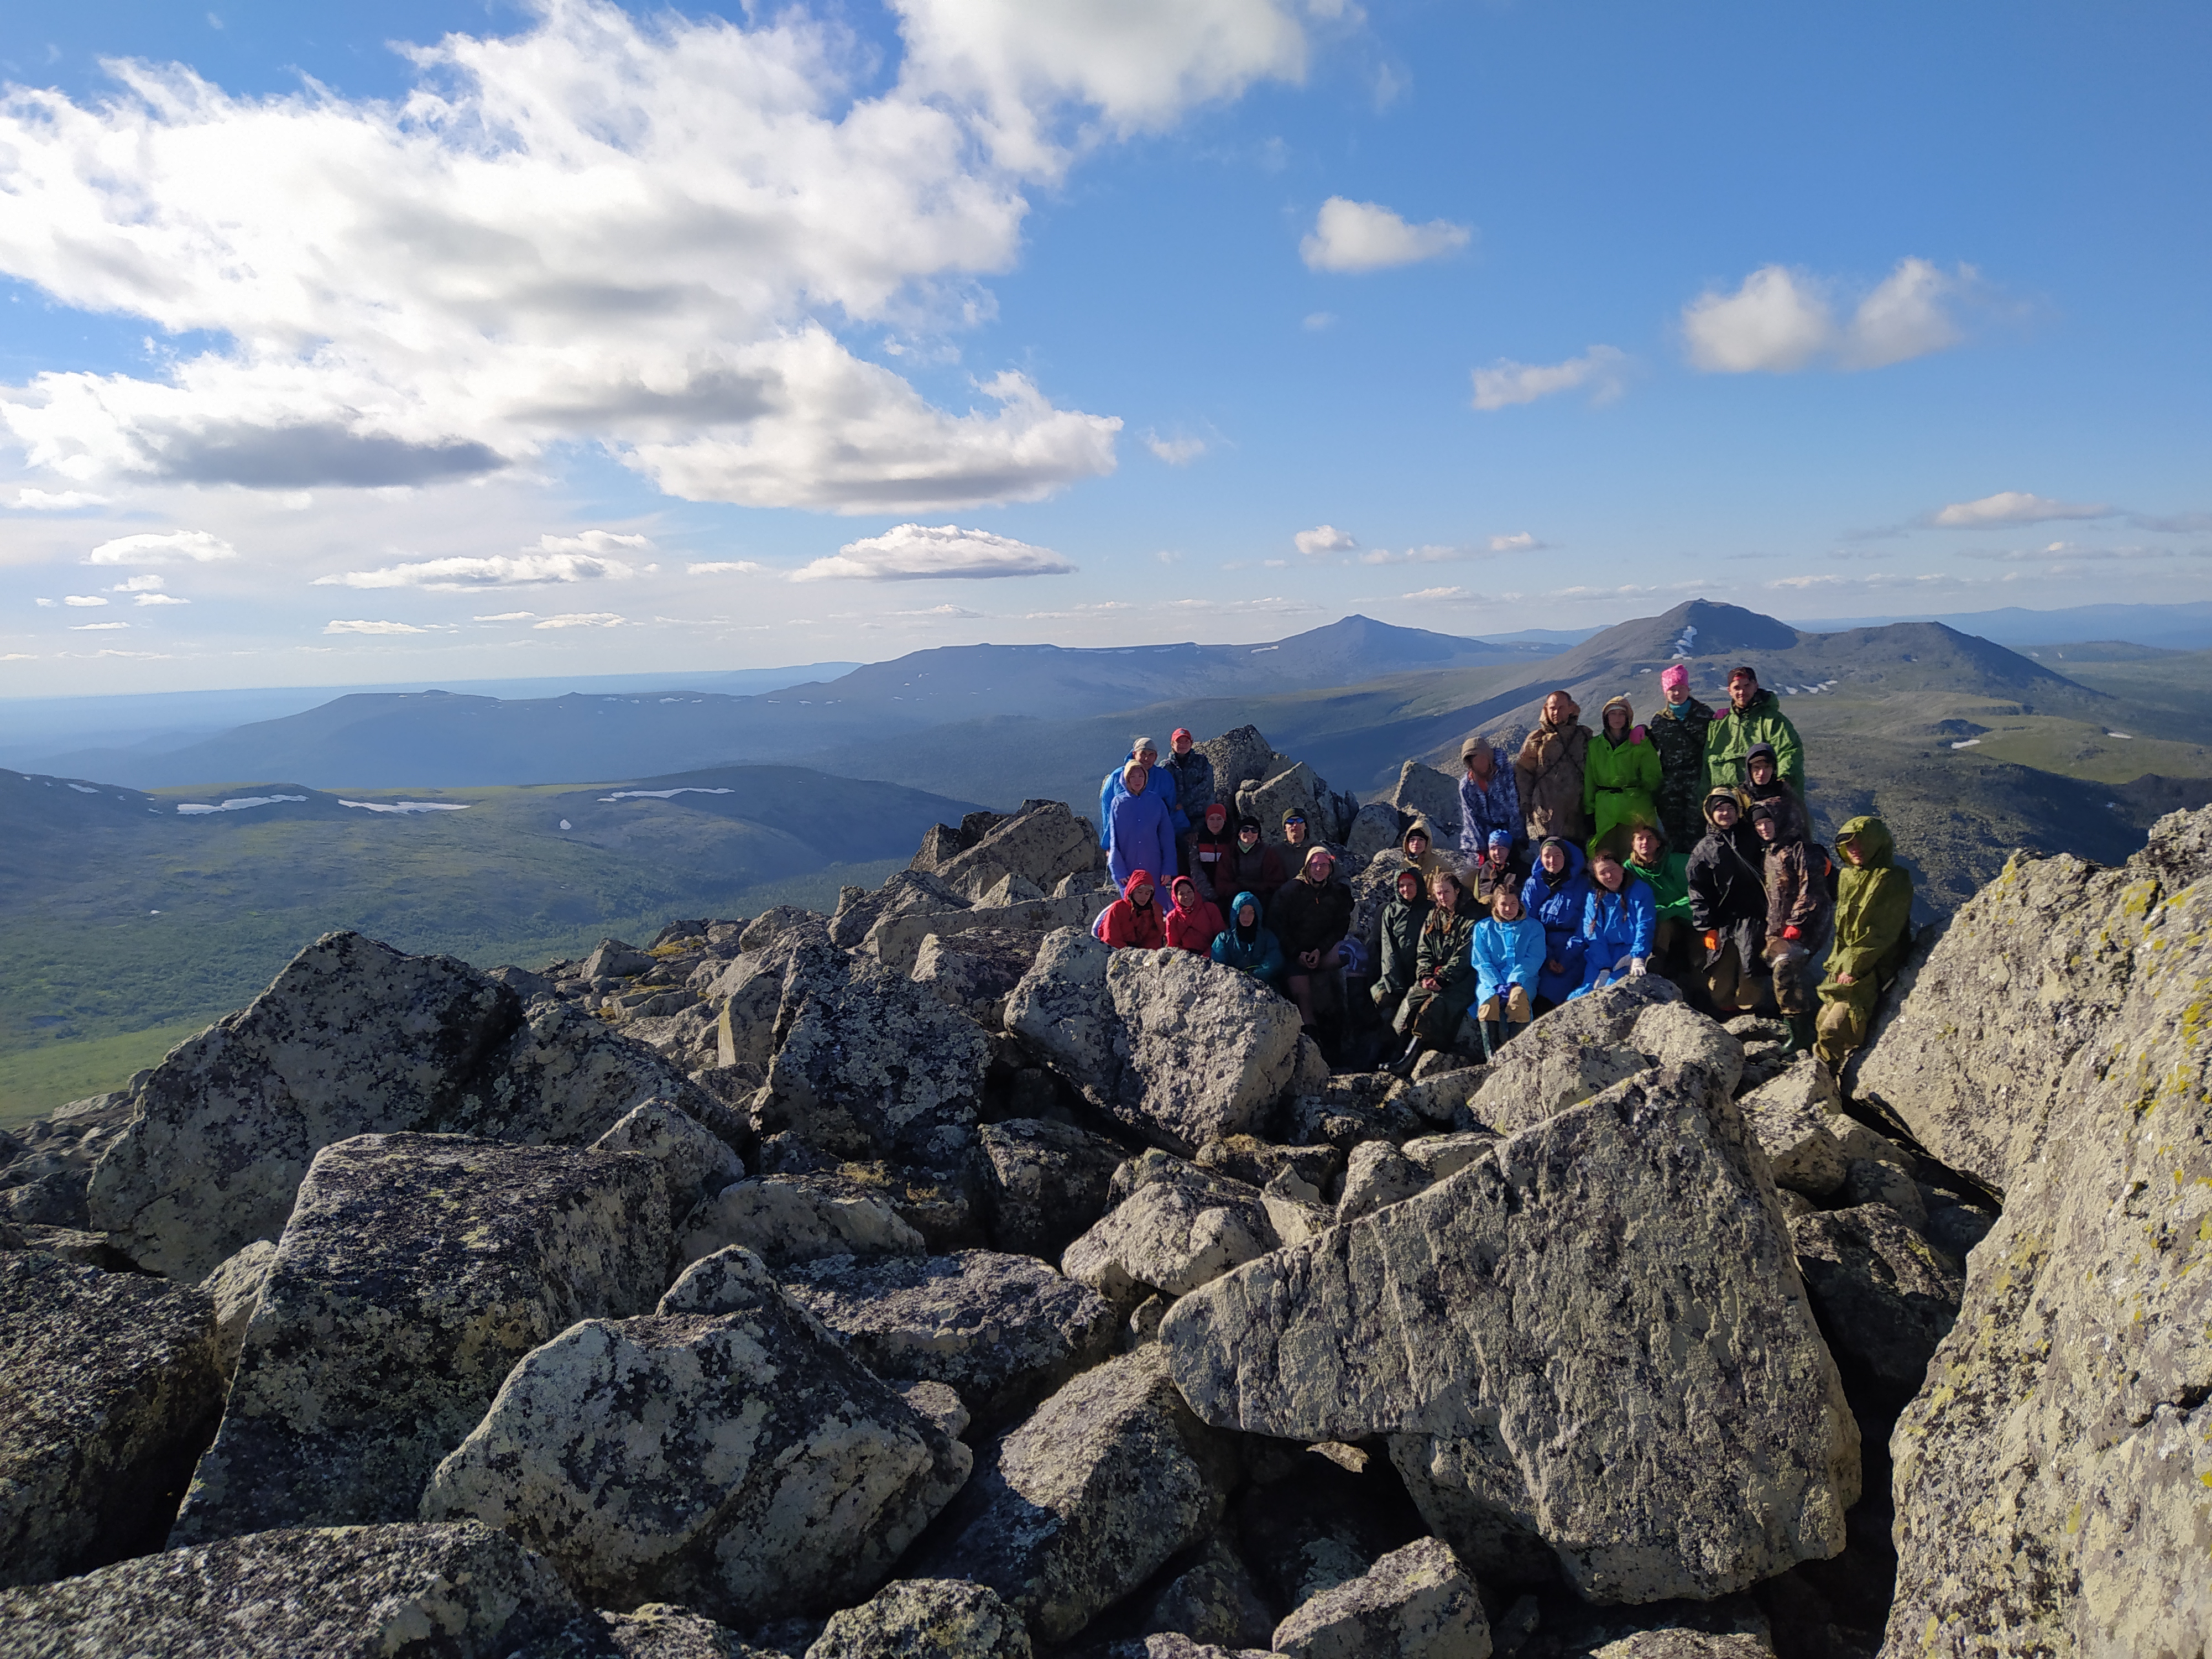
[(1874, 930), (1444, 988), (1399, 947), (1667, 875), (1754, 716), (1620, 773)]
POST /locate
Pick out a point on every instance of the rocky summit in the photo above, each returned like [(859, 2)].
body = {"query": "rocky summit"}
[(925, 1279)]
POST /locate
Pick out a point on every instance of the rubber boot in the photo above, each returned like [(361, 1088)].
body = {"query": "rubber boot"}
[(1493, 1037), (1403, 1066), (1802, 1035), (1509, 1028)]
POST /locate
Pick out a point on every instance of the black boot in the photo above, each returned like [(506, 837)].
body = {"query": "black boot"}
[(1493, 1037), (1403, 1066), (1802, 1035)]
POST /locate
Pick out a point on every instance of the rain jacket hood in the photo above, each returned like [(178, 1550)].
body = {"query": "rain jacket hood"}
[(1875, 845)]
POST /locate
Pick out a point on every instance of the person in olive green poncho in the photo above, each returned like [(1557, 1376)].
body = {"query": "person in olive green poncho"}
[(1874, 930), (1620, 772)]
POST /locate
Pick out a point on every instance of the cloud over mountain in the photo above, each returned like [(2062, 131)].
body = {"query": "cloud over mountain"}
[(914, 552)]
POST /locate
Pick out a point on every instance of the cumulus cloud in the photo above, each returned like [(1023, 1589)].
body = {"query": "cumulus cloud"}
[(507, 616), (558, 559), (159, 599), (1353, 236), (1874, 581), (724, 568), (174, 547), (584, 619), (914, 552), (1323, 539), (50, 500), (85, 600), (1175, 452), (97, 628), (2013, 506), (642, 232), (372, 628), (1782, 321), (1506, 382), (146, 590)]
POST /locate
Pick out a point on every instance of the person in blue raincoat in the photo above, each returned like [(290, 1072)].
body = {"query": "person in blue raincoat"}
[(1508, 959), (1555, 894), (1619, 919), (1140, 835), (1159, 783), (1247, 945)]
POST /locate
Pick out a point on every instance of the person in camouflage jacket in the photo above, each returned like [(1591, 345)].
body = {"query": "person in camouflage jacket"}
[(1678, 731)]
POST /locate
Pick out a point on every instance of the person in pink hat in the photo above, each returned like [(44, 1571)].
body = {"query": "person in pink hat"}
[(1678, 731)]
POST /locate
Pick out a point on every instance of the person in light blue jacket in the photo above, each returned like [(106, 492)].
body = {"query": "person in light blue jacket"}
[(1509, 960), (1619, 919), (1556, 894), (1159, 783), (1140, 835)]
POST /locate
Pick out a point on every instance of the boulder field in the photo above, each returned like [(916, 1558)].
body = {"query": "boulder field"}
[(926, 1279)]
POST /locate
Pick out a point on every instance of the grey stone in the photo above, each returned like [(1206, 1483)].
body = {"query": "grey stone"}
[(1469, 1489), (937, 1403), (659, 1630), (1002, 1331), (416, 1271), (1257, 1163), (1374, 829), (788, 1219), (695, 1164), (1957, 1230), (1426, 793), (925, 1619), (1179, 1227), (1623, 1267), (1106, 1482), (1575, 1051), (1044, 1183), (906, 893), (976, 972), (1875, 1180), (1441, 1156), (1238, 758), (113, 1384), (1796, 1117), (1415, 1603), (1441, 1094), (1377, 1174), (1884, 1295), (1043, 843), (236, 1287), (776, 922), (388, 1592), (1213, 1600), (612, 959)]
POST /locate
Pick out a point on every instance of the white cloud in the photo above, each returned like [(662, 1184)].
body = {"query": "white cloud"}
[(82, 599), (1437, 595), (1506, 382), (147, 584), (1519, 542), (637, 233), (1316, 321), (159, 599), (913, 552), (1872, 580), (507, 616), (372, 628), (724, 568), (1168, 556), (584, 619), (1350, 236), (2071, 553), (1782, 321), (64, 501), (597, 543), (558, 559), (174, 547), (1324, 539), (2013, 506), (948, 612), (97, 628), (44, 605), (1175, 452)]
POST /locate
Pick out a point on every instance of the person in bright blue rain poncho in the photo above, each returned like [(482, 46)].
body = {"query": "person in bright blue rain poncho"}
[(1619, 918), (1509, 960), (1555, 894)]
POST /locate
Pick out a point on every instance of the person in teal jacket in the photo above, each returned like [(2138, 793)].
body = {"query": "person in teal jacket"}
[(1247, 945), (1508, 959), (1619, 919)]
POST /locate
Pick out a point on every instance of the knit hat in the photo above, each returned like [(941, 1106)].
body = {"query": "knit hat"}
[(1248, 822), (1319, 853), (1760, 751), (1501, 838), (1211, 807), (1410, 869), (1292, 815), (1671, 676)]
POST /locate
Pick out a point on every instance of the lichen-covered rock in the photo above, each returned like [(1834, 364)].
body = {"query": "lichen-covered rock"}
[(1594, 1042), (1180, 1227), (236, 1287), (388, 1592), (1374, 829), (1616, 1283), (660, 1631), (1083, 1501), (797, 1217), (1377, 1174), (738, 1462), (1001, 1331), (905, 893), (351, 1038), (46, 1164), (414, 1271), (1415, 1603), (1469, 1490), (976, 972), (1441, 1156), (1256, 1162), (1797, 1117), (1044, 843), (2054, 1478), (1043, 1183), (113, 1383), (1181, 1050), (925, 1619), (695, 1164), (1884, 1295), (1213, 1600)]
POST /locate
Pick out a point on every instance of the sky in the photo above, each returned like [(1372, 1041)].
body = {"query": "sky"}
[(353, 344)]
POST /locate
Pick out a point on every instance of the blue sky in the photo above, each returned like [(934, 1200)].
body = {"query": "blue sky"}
[(589, 341)]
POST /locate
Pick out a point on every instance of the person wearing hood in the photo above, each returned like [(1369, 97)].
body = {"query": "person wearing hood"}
[(1138, 833), (1726, 878), (1310, 915), (1491, 873), (1509, 960), (1555, 894), (1159, 783), (1679, 731), (1762, 776), (1134, 922), (1754, 716), (1193, 923), (1212, 852), (1257, 866), (1489, 800), (1193, 778), (1666, 873), (1619, 919), (1247, 946), (1799, 913), (1548, 772), (1418, 846), (1443, 973), (1873, 932), (1620, 773), (1400, 941)]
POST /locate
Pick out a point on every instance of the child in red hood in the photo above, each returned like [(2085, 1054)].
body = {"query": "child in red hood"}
[(1193, 921), (1133, 920)]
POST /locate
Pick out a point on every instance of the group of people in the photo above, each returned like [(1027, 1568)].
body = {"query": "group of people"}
[(1680, 845)]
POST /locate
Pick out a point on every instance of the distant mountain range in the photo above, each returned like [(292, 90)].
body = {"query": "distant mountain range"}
[(2185, 627)]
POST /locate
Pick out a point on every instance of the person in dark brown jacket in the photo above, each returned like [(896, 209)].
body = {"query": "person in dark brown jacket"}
[(1800, 913), (1549, 771)]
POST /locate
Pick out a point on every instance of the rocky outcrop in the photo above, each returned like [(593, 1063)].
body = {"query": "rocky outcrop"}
[(1596, 1041), (351, 1038), (925, 1619), (1181, 1049), (1043, 843), (113, 1384), (1884, 1295), (1616, 1283), (976, 972), (1213, 1600), (787, 1218), (1105, 1482), (414, 1274), (660, 1630), (45, 1164), (1423, 791), (1798, 1116), (461, 1592), (1179, 1227), (2054, 1478), (1000, 1331), (695, 1165), (1044, 1183), (236, 1287), (1415, 1603), (906, 893)]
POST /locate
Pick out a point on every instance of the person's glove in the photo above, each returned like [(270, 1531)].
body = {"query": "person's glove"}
[(1791, 934), (1712, 938), (1636, 967)]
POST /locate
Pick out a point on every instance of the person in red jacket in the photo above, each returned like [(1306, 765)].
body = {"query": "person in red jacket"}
[(1193, 921), (1133, 921)]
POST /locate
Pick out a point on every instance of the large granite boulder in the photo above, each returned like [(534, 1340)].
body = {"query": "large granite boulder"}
[(391, 1592), (1180, 1048), (1884, 1295), (1423, 791), (1297, 786), (905, 892), (236, 1285), (1001, 1331), (1044, 1183), (114, 1385), (1179, 1227), (1214, 1601), (925, 1619), (1043, 843), (1596, 1041), (1415, 1603), (414, 1274), (1240, 756), (974, 973), (796, 1218), (1798, 1116), (1616, 1283), (351, 1038), (2054, 1478), (734, 1459), (1095, 1492), (695, 1164), (46, 1164)]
